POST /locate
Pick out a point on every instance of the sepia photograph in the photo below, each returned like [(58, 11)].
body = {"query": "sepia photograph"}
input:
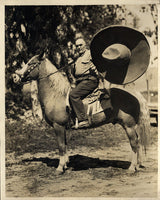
[(81, 100)]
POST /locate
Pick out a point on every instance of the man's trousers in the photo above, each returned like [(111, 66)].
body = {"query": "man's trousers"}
[(83, 88)]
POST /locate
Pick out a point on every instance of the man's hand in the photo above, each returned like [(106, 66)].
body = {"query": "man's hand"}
[(73, 85), (70, 61)]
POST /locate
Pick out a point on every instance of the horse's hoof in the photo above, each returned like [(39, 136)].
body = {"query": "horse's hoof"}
[(65, 167), (131, 172), (140, 168), (132, 169), (59, 172)]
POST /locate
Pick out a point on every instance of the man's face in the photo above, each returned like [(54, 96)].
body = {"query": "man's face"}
[(80, 45)]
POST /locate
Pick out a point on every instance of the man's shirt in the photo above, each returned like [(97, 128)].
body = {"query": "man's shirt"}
[(84, 65)]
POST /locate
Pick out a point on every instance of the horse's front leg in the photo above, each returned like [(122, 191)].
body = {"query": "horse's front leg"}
[(62, 145)]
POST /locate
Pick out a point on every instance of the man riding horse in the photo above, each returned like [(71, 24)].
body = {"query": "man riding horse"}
[(116, 60), (86, 76), (124, 54)]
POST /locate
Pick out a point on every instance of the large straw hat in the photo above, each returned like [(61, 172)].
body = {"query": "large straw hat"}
[(122, 52)]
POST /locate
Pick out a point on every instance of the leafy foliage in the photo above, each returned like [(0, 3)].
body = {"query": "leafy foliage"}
[(15, 106), (31, 30)]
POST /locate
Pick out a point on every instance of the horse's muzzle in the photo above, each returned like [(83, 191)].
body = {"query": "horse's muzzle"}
[(16, 78)]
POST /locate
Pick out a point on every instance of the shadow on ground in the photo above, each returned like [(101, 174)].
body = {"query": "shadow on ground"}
[(80, 162)]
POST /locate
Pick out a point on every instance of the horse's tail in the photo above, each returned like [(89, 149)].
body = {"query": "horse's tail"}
[(143, 128)]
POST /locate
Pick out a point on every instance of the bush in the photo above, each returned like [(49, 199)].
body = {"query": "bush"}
[(15, 105)]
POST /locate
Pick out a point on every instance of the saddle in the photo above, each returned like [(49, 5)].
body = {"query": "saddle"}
[(96, 102)]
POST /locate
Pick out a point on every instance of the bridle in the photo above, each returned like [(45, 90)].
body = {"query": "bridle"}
[(30, 67), (34, 65)]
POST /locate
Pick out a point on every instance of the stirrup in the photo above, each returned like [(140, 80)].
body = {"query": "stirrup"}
[(76, 123), (77, 126)]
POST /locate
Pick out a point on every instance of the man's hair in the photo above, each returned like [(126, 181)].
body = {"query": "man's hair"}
[(80, 37)]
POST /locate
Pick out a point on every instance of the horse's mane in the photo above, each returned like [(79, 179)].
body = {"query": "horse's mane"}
[(58, 80)]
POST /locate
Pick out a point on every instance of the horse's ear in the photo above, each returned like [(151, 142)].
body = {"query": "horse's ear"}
[(42, 56)]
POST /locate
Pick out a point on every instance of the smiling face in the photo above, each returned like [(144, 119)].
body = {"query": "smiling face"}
[(80, 45)]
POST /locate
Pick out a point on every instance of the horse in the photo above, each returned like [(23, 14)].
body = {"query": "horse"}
[(128, 110)]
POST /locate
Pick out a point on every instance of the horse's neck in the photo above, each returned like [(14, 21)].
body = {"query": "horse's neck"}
[(55, 81)]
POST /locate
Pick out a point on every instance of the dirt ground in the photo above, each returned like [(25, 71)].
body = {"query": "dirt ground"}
[(99, 159)]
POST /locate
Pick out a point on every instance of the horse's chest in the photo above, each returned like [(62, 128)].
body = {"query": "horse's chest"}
[(55, 109)]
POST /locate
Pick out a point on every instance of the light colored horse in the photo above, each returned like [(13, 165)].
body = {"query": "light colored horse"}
[(129, 110)]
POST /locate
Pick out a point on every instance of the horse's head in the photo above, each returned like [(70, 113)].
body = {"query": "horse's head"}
[(30, 71)]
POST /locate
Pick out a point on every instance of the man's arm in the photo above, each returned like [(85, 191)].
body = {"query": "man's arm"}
[(71, 72)]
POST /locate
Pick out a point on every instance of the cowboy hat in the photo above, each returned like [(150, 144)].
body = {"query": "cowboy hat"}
[(122, 52)]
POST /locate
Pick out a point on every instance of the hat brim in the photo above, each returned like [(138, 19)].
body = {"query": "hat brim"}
[(118, 72)]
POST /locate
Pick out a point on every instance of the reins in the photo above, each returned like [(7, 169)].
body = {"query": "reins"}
[(38, 63), (53, 73), (34, 65)]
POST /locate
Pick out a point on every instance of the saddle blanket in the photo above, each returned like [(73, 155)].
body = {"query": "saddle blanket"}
[(96, 102), (94, 108)]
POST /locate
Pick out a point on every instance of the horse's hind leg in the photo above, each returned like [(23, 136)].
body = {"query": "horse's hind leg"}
[(133, 138), (61, 139), (139, 129)]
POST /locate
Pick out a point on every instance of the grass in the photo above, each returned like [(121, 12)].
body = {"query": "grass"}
[(26, 136), (23, 137)]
